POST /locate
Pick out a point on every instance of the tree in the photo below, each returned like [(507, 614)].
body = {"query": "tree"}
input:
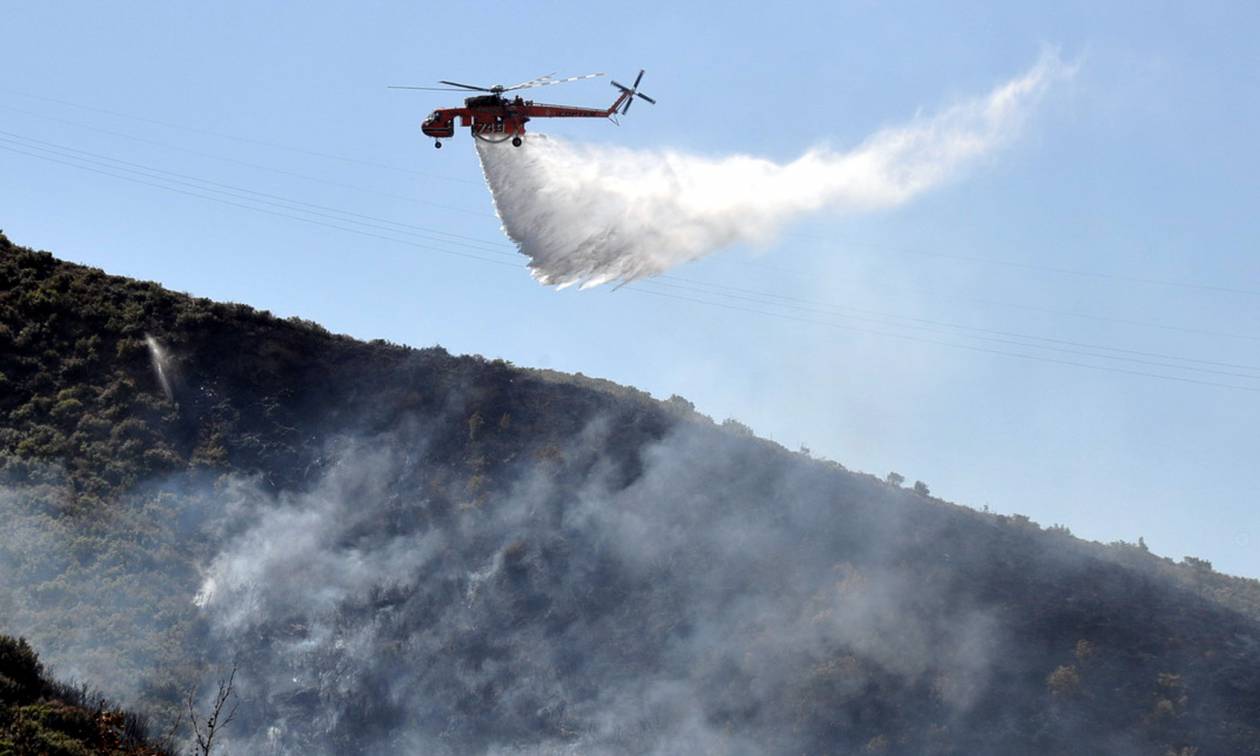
[(21, 673), (921, 488), (1201, 565), (680, 404), (895, 479), (216, 721)]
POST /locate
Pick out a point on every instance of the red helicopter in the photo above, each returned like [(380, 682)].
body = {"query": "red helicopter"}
[(495, 118)]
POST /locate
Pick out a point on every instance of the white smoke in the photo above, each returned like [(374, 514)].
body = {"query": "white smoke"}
[(587, 214), (569, 613)]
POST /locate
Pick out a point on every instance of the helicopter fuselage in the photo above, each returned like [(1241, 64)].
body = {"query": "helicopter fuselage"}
[(494, 118)]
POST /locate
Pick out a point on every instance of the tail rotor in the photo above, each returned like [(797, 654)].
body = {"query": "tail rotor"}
[(632, 92)]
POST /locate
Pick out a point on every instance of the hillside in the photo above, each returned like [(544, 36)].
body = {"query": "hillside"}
[(41, 716), (409, 551)]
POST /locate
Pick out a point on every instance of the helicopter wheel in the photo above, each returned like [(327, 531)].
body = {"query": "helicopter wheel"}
[(437, 144), (516, 141)]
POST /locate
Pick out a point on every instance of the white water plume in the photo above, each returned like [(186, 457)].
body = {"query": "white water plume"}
[(588, 214), (161, 360)]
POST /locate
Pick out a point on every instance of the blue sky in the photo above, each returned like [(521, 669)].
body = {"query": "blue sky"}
[(1139, 169)]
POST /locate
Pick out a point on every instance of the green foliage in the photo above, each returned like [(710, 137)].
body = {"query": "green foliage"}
[(1195, 563), (680, 405), (41, 716), (21, 674)]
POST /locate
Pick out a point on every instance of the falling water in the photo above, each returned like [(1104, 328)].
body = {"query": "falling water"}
[(593, 214), (161, 365)]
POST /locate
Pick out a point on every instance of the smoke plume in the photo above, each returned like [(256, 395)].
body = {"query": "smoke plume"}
[(593, 214), (570, 615), (697, 593)]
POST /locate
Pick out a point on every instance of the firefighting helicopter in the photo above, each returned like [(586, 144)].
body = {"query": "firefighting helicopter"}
[(494, 118)]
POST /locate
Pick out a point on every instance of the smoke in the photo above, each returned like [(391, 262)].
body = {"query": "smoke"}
[(93, 601), (688, 612), (587, 214), (725, 597)]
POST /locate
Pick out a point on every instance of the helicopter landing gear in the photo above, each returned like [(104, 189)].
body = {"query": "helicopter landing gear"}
[(437, 144), (516, 141)]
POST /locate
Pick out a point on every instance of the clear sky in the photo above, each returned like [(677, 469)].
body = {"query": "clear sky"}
[(1124, 215)]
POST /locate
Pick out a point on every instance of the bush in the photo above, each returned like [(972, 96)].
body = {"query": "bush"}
[(66, 409), (1064, 681), (21, 674), (679, 404), (1202, 565)]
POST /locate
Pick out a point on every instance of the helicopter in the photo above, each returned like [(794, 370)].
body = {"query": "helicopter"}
[(495, 118)]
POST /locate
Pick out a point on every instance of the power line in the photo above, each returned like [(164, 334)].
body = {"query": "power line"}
[(166, 185), (259, 209), (234, 137), (1054, 269), (1032, 308), (891, 248), (240, 192), (246, 163), (1006, 341), (944, 324), (780, 269), (905, 337), (1110, 319)]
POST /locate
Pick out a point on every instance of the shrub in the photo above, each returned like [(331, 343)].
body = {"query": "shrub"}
[(21, 674), (1064, 681), (1202, 565), (679, 404), (66, 409)]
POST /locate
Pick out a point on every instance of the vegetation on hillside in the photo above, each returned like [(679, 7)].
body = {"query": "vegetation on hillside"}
[(42, 716), (397, 544)]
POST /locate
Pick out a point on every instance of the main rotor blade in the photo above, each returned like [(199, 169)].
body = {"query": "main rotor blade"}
[(531, 82), (466, 86), (638, 79), (549, 82), (649, 99), (430, 89)]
